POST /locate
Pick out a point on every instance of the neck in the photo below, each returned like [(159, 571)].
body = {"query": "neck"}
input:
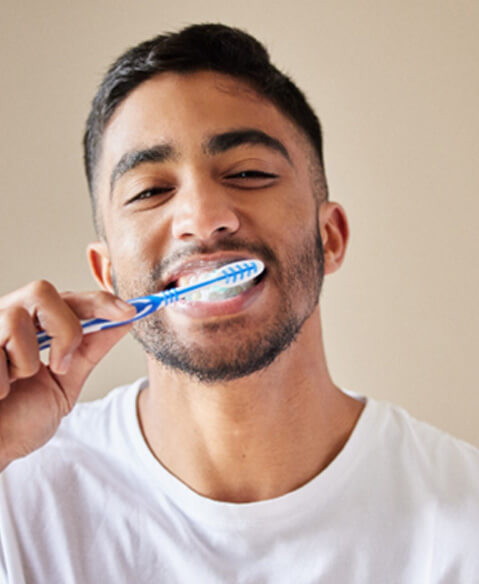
[(254, 438)]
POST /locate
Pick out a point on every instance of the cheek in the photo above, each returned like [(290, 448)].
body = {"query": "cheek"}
[(138, 235), (295, 216), (133, 253)]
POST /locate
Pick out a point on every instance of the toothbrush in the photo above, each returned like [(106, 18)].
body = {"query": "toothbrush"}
[(228, 275)]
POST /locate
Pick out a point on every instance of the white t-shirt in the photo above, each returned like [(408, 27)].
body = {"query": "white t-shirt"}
[(399, 504)]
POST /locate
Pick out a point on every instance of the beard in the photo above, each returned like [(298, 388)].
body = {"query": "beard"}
[(247, 350)]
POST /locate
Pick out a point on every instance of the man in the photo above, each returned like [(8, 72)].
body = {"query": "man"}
[(237, 459)]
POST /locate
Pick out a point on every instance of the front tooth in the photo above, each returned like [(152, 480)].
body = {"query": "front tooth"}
[(204, 276), (191, 296), (183, 281)]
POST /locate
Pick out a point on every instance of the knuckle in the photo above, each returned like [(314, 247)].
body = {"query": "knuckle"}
[(15, 317), (41, 288), (67, 295)]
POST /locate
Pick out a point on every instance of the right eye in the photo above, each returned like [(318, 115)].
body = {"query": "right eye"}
[(150, 194)]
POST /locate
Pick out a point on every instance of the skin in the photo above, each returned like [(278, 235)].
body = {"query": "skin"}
[(265, 434), (34, 396), (260, 435)]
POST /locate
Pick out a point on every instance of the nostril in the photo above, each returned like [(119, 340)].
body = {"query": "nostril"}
[(204, 223)]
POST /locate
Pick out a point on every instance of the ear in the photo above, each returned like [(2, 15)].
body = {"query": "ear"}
[(100, 264), (334, 229)]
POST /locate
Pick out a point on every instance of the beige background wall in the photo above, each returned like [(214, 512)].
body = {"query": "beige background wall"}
[(396, 85)]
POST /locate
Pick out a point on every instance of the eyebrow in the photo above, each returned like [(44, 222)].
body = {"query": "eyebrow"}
[(132, 159), (220, 143), (216, 144)]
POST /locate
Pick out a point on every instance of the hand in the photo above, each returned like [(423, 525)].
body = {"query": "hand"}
[(34, 397)]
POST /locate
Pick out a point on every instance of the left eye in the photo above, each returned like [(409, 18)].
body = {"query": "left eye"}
[(252, 174), (251, 179)]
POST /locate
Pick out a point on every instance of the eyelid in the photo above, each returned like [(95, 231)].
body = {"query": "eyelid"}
[(254, 174), (153, 190)]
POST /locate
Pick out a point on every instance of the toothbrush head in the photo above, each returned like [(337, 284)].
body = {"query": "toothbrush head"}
[(237, 272)]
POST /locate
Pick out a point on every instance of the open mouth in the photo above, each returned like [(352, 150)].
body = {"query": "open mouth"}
[(213, 293)]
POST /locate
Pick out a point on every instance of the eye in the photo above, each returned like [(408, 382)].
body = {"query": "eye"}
[(251, 174), (155, 192), (250, 179)]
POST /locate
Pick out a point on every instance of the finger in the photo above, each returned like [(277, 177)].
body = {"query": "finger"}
[(63, 326), (52, 314), (59, 315), (18, 338), (99, 304), (4, 381)]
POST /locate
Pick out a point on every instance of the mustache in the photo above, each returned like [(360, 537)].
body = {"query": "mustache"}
[(260, 250)]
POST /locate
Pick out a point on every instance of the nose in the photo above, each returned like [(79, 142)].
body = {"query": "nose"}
[(204, 213)]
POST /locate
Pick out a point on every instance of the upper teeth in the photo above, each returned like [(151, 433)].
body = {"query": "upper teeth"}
[(190, 279)]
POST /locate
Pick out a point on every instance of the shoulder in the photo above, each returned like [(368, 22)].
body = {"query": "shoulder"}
[(56, 499), (101, 424), (92, 434), (432, 449), (429, 481), (97, 422), (429, 462)]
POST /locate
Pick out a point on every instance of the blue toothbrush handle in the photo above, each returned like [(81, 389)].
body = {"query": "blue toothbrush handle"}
[(229, 275), (144, 307)]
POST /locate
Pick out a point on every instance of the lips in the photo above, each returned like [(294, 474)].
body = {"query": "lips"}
[(212, 301), (220, 307)]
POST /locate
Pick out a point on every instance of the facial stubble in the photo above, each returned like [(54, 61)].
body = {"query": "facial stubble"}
[(248, 349)]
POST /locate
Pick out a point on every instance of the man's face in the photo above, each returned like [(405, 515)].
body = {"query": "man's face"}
[(196, 171)]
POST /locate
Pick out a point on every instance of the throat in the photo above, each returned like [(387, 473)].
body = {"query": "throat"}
[(244, 455)]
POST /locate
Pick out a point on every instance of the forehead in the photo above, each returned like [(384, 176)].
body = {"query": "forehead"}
[(184, 109)]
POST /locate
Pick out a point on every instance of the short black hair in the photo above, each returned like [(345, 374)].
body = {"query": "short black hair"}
[(199, 47)]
